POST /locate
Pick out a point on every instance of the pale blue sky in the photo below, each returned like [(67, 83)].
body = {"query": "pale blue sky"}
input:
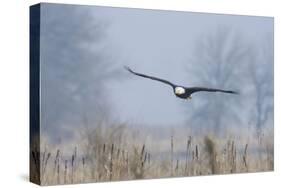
[(154, 42), (160, 43)]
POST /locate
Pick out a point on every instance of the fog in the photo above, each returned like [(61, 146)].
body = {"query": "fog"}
[(83, 51)]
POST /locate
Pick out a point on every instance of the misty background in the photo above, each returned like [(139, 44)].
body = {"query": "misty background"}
[(84, 48)]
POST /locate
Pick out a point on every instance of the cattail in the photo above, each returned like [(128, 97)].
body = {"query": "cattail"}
[(196, 153), (245, 157), (127, 163), (177, 166), (72, 168), (83, 165), (83, 161), (142, 152), (111, 162), (112, 150), (189, 141), (56, 160), (143, 162), (58, 172), (145, 156), (172, 154), (103, 149), (43, 160), (65, 171), (72, 160)]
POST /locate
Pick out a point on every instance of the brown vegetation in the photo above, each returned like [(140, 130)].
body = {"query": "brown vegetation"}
[(106, 155)]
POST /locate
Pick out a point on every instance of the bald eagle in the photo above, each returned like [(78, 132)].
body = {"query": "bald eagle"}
[(181, 91)]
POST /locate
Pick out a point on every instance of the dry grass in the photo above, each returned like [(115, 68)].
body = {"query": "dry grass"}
[(111, 155)]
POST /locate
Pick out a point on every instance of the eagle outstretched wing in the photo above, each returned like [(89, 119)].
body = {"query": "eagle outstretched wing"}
[(149, 77), (197, 89)]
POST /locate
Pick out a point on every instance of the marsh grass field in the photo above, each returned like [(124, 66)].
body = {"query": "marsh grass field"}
[(123, 153)]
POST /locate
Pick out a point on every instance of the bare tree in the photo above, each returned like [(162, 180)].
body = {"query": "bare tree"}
[(74, 66), (217, 61), (261, 74)]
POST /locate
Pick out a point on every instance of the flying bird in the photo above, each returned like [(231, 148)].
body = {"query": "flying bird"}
[(181, 91)]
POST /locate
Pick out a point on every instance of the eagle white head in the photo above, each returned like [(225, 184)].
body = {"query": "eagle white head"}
[(179, 90)]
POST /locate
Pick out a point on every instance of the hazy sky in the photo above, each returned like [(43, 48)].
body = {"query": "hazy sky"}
[(158, 43)]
